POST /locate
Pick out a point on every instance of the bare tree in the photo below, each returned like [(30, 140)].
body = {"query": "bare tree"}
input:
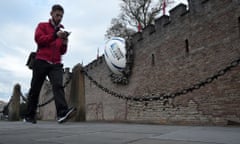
[(143, 12), (119, 29), (134, 13)]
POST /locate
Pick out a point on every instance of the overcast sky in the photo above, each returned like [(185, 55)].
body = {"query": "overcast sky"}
[(88, 21)]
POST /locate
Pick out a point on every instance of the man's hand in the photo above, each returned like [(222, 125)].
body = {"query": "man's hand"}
[(62, 34), (65, 41)]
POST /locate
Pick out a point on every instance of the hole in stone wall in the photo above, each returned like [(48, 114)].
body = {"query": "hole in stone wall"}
[(186, 46), (239, 26), (153, 60), (145, 104), (165, 103)]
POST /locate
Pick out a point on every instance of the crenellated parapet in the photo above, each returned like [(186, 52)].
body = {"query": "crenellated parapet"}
[(160, 23), (150, 29), (177, 15), (177, 12)]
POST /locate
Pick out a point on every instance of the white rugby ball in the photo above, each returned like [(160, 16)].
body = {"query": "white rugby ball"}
[(115, 54)]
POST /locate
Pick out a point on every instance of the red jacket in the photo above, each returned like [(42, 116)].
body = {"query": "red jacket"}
[(50, 48)]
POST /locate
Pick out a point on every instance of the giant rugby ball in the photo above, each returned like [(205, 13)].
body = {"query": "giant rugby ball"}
[(115, 54)]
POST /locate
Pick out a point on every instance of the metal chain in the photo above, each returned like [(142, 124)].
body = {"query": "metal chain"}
[(153, 97), (156, 97)]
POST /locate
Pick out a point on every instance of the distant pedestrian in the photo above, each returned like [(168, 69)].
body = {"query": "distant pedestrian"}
[(51, 45)]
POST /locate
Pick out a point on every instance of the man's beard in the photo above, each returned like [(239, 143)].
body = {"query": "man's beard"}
[(56, 22)]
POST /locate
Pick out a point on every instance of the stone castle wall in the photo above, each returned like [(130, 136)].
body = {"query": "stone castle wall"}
[(176, 53)]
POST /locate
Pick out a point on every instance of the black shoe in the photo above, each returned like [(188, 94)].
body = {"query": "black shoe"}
[(30, 120), (68, 114)]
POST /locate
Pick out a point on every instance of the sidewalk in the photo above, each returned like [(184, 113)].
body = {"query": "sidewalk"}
[(114, 133)]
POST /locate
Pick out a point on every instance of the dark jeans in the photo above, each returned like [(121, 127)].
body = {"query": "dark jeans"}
[(41, 69)]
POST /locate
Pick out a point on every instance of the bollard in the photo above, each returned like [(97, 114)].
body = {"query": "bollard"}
[(14, 105), (77, 93)]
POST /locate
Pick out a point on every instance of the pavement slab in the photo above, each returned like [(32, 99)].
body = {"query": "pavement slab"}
[(50, 132)]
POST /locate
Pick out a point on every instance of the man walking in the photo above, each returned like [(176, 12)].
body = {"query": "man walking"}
[(52, 44)]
